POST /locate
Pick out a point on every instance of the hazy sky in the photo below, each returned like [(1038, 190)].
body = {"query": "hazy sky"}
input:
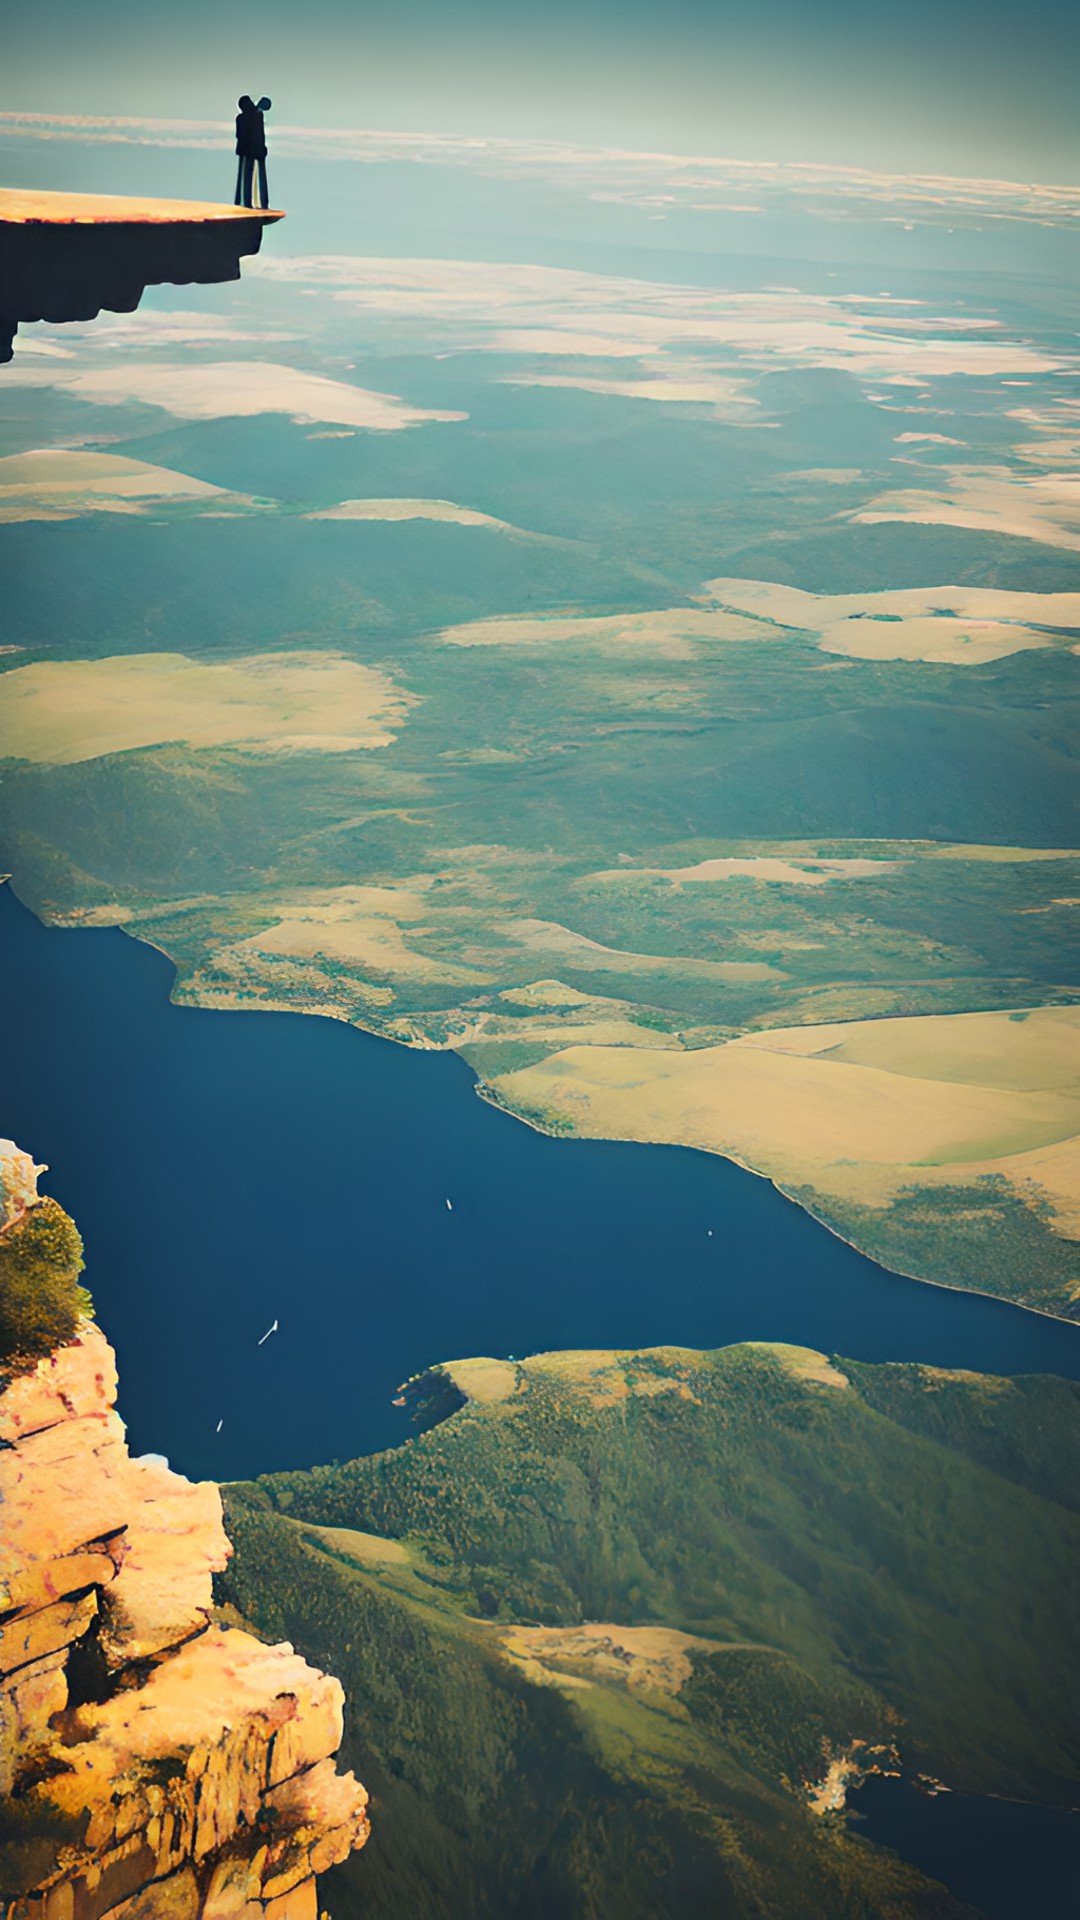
[(970, 86)]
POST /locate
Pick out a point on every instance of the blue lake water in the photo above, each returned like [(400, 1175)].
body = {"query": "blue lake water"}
[(229, 1169), (1012, 1862)]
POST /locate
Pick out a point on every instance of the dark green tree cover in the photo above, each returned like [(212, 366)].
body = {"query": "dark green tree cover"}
[(956, 1235), (41, 1301), (492, 1796), (874, 1562), (1018, 1428)]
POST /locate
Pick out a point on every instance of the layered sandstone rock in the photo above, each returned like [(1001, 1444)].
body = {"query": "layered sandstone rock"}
[(185, 1767)]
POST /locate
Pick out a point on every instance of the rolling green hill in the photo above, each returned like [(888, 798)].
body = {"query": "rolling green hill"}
[(797, 1567)]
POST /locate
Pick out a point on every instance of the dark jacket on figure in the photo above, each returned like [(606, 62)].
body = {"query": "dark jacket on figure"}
[(250, 131), (257, 136)]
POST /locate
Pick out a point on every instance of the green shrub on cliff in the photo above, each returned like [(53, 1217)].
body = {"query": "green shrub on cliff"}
[(41, 1301)]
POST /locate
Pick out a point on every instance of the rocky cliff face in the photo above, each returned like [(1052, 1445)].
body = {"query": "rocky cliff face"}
[(155, 1766)]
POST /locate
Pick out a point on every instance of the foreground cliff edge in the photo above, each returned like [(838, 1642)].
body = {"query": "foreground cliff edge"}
[(151, 1763), (65, 256)]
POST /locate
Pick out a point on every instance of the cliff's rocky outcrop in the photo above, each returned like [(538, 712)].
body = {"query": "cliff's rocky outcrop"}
[(64, 256), (153, 1763)]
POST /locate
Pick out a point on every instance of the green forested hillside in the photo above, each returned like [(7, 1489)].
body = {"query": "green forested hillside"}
[(792, 1563)]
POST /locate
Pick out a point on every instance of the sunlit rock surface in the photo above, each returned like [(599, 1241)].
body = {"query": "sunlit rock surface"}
[(158, 1763), (18, 1183), (65, 256)]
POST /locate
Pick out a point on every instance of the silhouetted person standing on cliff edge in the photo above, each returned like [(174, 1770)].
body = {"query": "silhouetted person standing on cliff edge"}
[(245, 167), (251, 146)]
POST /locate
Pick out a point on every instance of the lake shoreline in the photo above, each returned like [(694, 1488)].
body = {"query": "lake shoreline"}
[(226, 1002), (490, 1096), (229, 1173)]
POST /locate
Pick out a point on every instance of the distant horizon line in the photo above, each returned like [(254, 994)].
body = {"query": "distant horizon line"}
[(42, 124)]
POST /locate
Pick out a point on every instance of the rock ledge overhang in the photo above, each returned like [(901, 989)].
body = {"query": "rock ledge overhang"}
[(65, 256)]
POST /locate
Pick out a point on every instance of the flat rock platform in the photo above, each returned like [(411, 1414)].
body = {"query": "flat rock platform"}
[(65, 256)]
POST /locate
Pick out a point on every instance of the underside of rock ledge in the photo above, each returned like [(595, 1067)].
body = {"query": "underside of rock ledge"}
[(65, 256)]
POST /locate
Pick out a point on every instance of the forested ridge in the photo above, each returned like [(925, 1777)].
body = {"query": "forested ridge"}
[(878, 1559)]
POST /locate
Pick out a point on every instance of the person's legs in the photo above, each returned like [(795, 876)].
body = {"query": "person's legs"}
[(239, 179), (249, 175), (264, 197)]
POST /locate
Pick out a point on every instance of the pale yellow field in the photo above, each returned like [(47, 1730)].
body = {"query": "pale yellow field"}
[(232, 388), (669, 632), (962, 626), (1057, 425), (55, 484), (609, 1375), (483, 1380), (1054, 1172), (856, 1109), (958, 626), (808, 612), (365, 927), (803, 1362), (415, 510), (727, 398), (368, 1547), (811, 872), (656, 1658), (800, 863), (609, 1378), (608, 1366), (1055, 453), (960, 850), (1030, 1052), (545, 993), (1043, 507), (956, 643), (72, 710)]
